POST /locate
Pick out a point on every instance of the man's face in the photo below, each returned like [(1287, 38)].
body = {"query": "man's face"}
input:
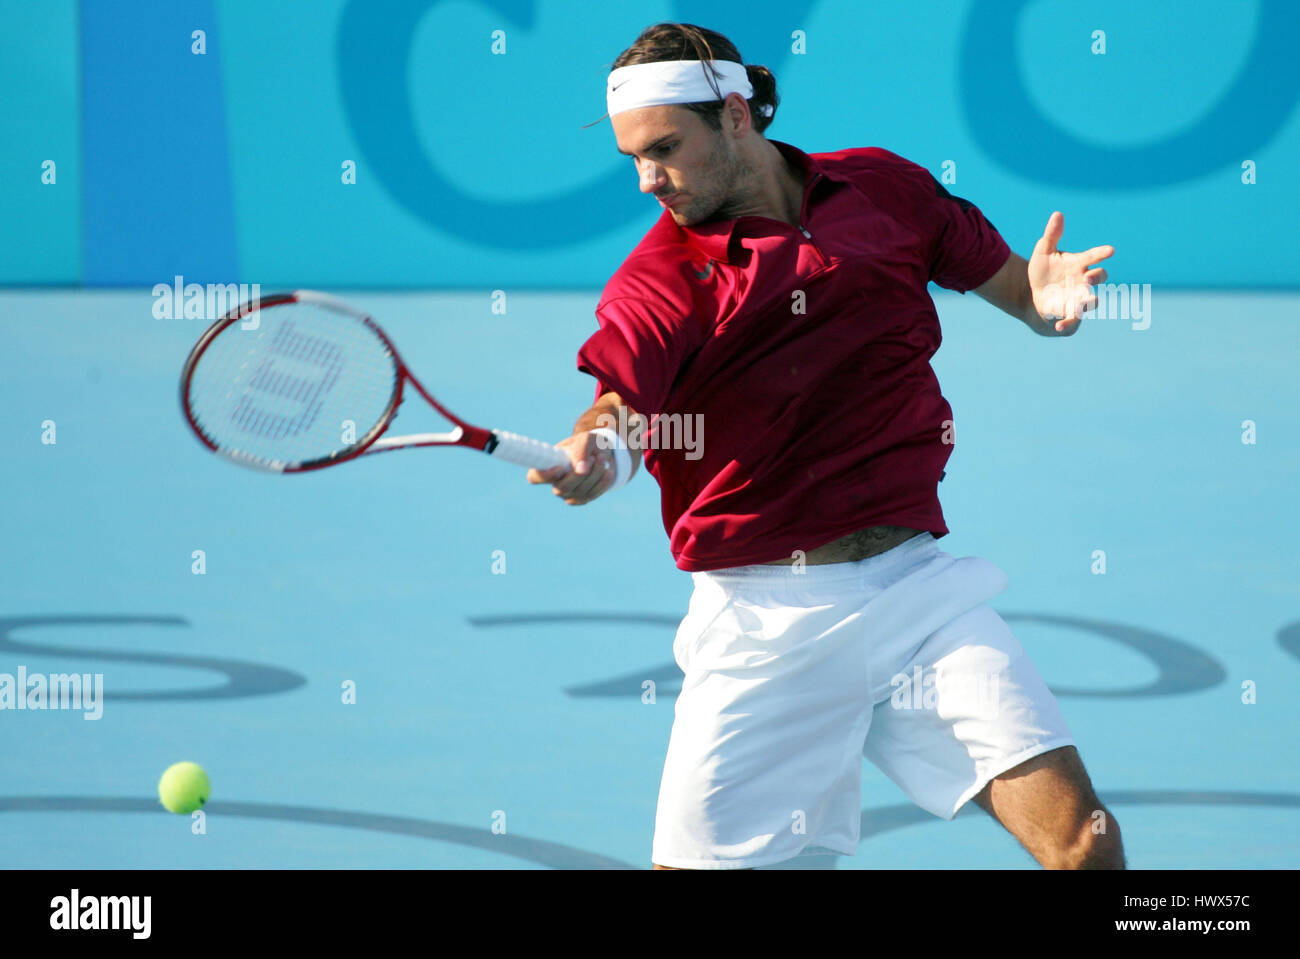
[(689, 167)]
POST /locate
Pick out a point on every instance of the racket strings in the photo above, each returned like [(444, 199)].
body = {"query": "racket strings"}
[(307, 383)]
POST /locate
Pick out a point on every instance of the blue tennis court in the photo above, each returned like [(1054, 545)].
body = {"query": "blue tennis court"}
[(419, 660)]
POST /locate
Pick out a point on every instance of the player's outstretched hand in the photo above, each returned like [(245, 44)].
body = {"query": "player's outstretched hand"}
[(1062, 282), (589, 474)]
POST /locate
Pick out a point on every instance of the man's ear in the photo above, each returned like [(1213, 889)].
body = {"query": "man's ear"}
[(736, 110)]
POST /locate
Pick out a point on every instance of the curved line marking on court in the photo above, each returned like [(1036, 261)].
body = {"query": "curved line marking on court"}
[(553, 854), (528, 619), (242, 678), (884, 819), (1182, 668), (875, 821), (1288, 637)]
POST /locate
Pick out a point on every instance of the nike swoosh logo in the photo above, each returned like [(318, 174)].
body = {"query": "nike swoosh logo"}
[(705, 273), (623, 84)]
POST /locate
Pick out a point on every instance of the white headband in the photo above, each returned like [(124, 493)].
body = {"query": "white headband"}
[(674, 81)]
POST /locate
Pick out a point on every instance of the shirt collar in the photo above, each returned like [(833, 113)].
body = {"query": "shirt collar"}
[(714, 238)]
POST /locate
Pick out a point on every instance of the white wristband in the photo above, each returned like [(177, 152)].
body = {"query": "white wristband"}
[(622, 455)]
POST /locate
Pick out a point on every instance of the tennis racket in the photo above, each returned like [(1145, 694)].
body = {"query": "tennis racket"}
[(299, 381)]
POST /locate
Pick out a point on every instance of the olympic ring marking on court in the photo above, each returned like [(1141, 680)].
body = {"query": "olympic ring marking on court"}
[(242, 678), (883, 819), (874, 822), (1182, 667), (1288, 637), (545, 853)]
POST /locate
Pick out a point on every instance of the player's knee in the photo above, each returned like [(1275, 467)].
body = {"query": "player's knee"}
[(1096, 845)]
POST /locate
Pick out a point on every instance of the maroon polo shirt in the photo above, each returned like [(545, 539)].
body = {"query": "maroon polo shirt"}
[(805, 354)]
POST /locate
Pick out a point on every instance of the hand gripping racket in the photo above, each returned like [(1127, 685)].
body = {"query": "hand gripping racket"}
[(299, 381)]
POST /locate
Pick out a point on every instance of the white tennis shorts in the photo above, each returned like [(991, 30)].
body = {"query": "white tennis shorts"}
[(792, 678)]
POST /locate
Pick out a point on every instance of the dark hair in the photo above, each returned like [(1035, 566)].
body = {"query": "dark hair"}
[(685, 41)]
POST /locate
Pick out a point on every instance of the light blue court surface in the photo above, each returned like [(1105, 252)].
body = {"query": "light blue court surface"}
[(485, 700)]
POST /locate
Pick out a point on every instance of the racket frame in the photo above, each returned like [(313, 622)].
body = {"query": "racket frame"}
[(465, 434)]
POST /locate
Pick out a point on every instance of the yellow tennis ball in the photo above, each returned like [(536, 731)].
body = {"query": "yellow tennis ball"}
[(184, 787)]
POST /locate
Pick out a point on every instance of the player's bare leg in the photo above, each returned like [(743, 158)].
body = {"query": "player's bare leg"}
[(1049, 805)]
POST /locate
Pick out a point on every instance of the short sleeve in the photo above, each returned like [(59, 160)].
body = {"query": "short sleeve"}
[(962, 247), (638, 351), (968, 249)]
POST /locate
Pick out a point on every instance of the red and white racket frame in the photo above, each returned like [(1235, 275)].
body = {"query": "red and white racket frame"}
[(504, 445)]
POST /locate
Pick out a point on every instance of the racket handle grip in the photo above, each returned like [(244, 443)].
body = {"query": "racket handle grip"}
[(523, 451)]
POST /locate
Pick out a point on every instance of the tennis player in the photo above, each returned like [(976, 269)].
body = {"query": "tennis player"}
[(781, 298)]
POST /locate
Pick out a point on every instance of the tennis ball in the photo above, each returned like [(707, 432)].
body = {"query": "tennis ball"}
[(184, 787)]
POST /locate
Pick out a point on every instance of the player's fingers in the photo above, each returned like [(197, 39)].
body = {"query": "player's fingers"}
[(555, 473), (567, 483), (593, 482), (546, 475), (566, 478), (1093, 277), (1051, 234), (1097, 254), (604, 481), (1084, 300), (570, 482), (1072, 315), (600, 474)]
